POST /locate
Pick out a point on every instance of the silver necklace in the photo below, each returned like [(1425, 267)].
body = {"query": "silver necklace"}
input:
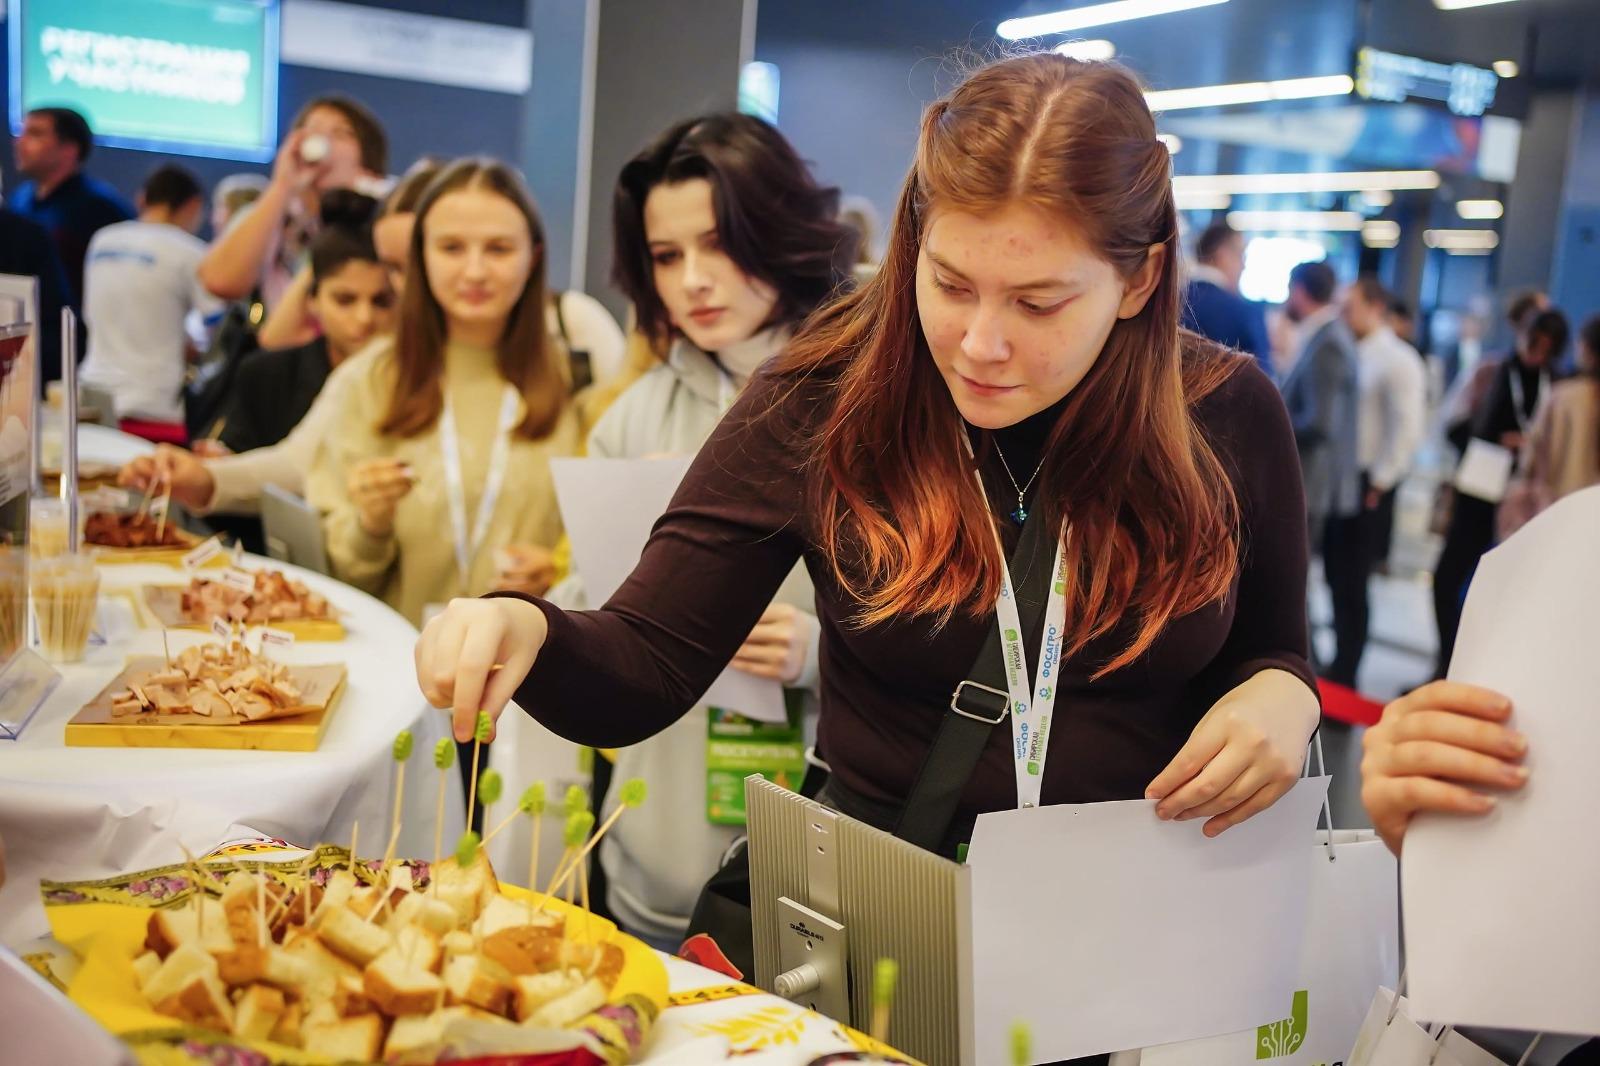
[(1020, 515)]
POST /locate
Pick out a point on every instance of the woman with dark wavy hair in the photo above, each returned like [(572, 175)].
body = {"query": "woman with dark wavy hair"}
[(724, 243), (1013, 372)]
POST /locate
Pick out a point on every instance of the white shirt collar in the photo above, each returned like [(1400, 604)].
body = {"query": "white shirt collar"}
[(1211, 275)]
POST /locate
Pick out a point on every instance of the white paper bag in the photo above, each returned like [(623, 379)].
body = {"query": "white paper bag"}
[(1351, 946), (1389, 1037), (1485, 470)]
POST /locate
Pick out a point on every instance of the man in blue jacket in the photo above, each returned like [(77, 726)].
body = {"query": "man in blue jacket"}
[(1213, 307)]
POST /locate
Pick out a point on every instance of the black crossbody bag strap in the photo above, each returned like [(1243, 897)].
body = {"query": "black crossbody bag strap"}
[(979, 703)]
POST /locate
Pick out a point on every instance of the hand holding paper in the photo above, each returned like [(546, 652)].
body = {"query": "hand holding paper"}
[(1431, 745), (1243, 756)]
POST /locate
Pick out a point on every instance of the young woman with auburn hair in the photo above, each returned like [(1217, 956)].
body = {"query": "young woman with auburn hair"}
[(1015, 366), (442, 444)]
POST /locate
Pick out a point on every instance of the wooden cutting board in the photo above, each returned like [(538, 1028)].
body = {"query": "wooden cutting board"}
[(95, 727), (162, 606)]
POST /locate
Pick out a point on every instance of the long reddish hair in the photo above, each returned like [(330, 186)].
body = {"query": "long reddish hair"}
[(527, 356), (1154, 520)]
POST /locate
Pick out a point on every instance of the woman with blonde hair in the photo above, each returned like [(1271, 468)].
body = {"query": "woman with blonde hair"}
[(450, 429)]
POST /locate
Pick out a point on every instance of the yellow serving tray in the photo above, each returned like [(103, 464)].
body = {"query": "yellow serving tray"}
[(160, 607)]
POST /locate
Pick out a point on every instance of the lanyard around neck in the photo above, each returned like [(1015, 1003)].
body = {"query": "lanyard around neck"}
[(468, 543)]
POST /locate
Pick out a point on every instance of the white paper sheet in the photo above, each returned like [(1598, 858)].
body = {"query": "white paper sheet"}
[(1502, 916), (1102, 927), (609, 507)]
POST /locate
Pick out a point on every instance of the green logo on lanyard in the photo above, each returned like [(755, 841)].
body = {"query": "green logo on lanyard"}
[(1011, 634), (1033, 769), (1061, 588)]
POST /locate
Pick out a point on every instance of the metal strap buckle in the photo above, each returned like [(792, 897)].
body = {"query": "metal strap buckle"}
[(1005, 703)]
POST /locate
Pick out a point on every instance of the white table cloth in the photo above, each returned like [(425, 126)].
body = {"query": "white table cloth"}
[(97, 444), (82, 813)]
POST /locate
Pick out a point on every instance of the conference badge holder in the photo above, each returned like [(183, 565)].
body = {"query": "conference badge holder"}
[(737, 747)]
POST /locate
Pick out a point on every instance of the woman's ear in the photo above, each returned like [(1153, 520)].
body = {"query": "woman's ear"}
[(1142, 282)]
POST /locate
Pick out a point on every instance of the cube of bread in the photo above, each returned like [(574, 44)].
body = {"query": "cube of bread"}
[(475, 981), (170, 926), (570, 1008), (244, 964), (145, 967), (183, 964), (396, 986), (285, 970), (352, 938), (350, 997), (459, 942), (335, 894), (524, 949), (434, 915), (503, 912), (533, 993), (357, 1039), (419, 947), (203, 1001), (414, 1039), (323, 968), (257, 1012), (287, 1029), (467, 890)]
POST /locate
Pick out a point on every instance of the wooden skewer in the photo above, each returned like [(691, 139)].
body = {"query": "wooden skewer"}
[(166, 506), (583, 888), (507, 820), (533, 866), (561, 879), (355, 834), (198, 892)]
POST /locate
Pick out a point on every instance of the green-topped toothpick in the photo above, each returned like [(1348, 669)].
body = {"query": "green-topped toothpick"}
[(885, 975), (532, 804), (576, 799), (522, 805), (444, 757), (573, 832), (1021, 1044), (631, 794), (402, 751), (480, 735)]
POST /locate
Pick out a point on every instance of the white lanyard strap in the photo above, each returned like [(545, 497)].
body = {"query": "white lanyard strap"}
[(467, 545), (1031, 710), (1519, 398)]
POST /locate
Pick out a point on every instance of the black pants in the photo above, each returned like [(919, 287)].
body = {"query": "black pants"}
[(1352, 548), (1469, 534)]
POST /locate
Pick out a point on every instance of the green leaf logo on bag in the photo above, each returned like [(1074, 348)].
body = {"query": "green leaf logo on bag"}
[(1283, 1038)]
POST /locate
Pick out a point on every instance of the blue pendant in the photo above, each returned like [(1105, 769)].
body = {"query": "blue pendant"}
[(1020, 515)]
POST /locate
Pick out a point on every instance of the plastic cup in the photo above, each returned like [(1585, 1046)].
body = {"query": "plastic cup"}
[(47, 528), (66, 592)]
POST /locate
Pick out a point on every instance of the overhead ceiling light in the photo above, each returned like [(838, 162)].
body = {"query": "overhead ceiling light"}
[(1250, 92), (1204, 201), (1452, 240), (1089, 51), (1458, 5), (1332, 181), (1507, 68), (1377, 197), (1289, 221), (1380, 233), (1173, 142), (1079, 18), (1479, 210)]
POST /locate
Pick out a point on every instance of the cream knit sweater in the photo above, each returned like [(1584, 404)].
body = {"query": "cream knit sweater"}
[(416, 565)]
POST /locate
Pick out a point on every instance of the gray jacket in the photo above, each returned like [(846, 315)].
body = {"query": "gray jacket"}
[(1321, 393), (658, 858)]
